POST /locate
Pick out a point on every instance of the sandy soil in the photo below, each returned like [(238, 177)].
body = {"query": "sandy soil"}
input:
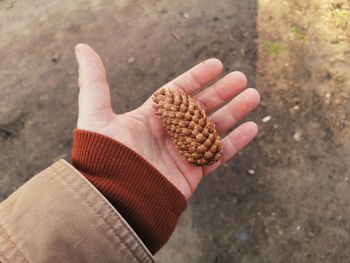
[(285, 198)]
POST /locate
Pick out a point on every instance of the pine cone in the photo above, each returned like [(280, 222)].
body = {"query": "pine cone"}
[(187, 123)]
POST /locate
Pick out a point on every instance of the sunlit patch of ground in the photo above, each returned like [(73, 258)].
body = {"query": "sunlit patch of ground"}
[(303, 74)]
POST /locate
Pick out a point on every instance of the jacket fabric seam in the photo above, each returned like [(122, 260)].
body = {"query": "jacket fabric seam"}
[(67, 182), (96, 192), (105, 201), (13, 245)]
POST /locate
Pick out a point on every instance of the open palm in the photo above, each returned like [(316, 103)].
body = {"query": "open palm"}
[(142, 131)]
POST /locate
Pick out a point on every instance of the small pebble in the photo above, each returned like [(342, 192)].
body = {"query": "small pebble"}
[(297, 136), (184, 15), (131, 60), (266, 118), (55, 57), (296, 107), (251, 171)]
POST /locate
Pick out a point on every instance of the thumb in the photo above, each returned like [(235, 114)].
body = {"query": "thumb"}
[(95, 109)]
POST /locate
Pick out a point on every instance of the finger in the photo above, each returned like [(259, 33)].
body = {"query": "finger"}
[(94, 96), (196, 77), (224, 89), (234, 142), (235, 110)]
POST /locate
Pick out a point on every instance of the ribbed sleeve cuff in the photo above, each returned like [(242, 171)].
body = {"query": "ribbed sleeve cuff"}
[(141, 194)]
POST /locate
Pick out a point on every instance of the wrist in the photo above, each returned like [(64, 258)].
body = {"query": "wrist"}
[(143, 196)]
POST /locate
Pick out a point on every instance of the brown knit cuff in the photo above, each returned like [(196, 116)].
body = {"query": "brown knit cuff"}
[(141, 194)]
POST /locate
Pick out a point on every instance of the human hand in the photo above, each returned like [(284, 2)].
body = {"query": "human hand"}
[(142, 131)]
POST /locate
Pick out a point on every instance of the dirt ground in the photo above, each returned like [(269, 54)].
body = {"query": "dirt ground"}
[(286, 197)]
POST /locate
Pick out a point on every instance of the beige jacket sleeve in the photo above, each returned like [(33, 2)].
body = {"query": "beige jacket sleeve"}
[(58, 216)]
